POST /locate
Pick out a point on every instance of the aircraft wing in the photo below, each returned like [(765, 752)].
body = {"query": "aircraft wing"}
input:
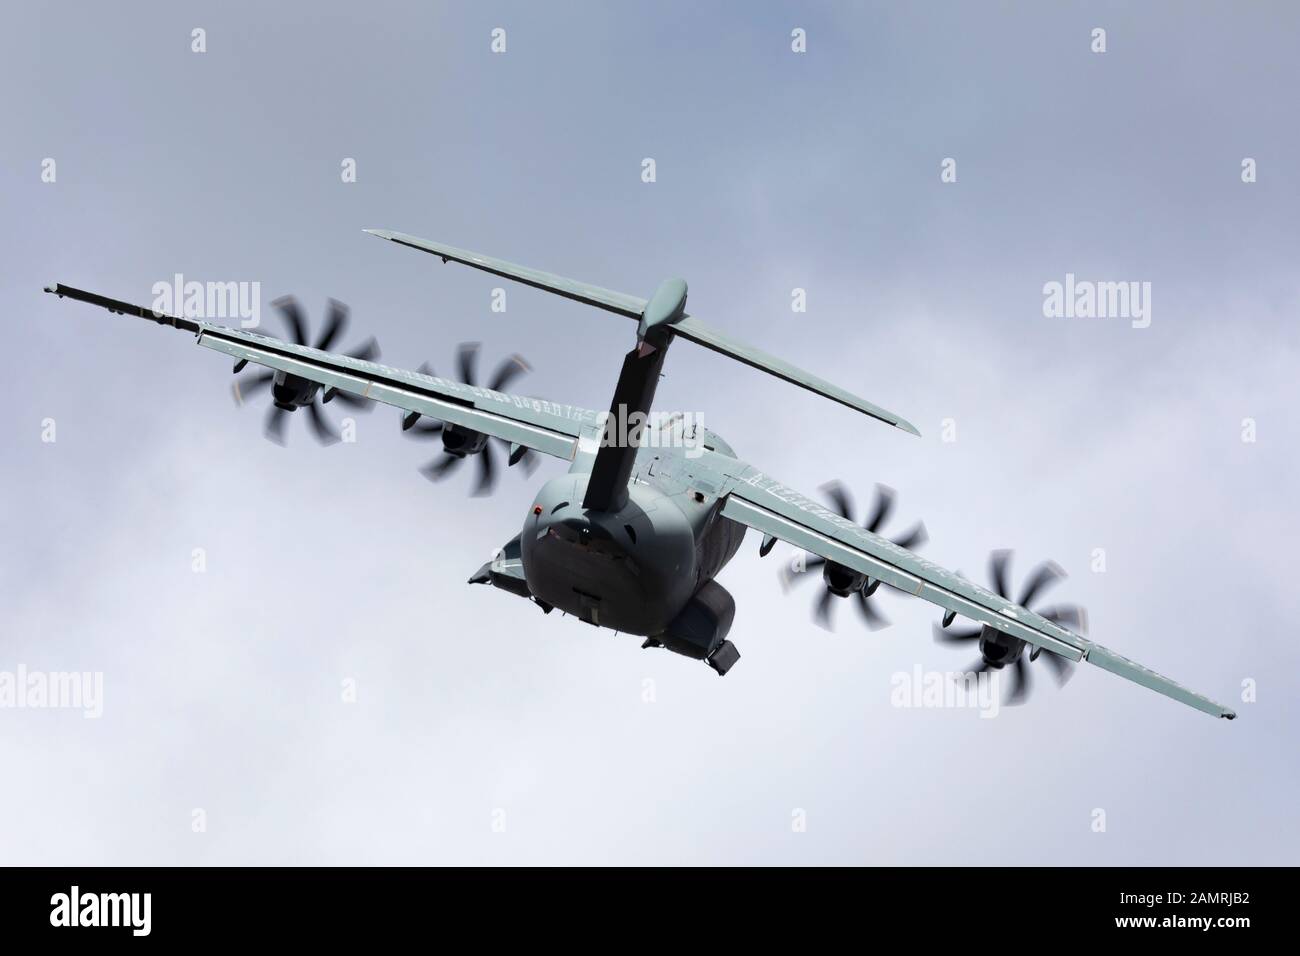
[(548, 427), (633, 307), (764, 504)]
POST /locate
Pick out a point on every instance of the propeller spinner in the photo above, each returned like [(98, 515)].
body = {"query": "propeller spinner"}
[(459, 443), (844, 582), (999, 650), (290, 392)]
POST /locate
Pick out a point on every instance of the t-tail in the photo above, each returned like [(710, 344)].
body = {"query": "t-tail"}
[(660, 319)]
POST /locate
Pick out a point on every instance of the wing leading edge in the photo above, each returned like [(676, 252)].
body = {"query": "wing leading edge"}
[(766, 505)]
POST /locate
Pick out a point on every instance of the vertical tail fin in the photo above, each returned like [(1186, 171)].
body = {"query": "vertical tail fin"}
[(634, 393)]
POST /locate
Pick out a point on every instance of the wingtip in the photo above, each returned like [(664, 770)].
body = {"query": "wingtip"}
[(378, 233), (908, 427)]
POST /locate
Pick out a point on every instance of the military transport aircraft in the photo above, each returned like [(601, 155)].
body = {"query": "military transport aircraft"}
[(633, 536)]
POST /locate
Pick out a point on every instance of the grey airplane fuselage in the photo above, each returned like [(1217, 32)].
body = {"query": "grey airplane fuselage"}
[(634, 568)]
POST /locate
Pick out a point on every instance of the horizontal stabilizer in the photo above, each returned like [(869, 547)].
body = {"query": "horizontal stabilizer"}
[(626, 305), (701, 334), (634, 307)]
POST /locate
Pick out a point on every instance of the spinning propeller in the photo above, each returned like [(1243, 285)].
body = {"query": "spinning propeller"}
[(290, 392), (841, 581), (998, 649), (458, 443)]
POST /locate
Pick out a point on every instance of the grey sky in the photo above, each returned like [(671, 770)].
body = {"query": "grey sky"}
[(775, 171)]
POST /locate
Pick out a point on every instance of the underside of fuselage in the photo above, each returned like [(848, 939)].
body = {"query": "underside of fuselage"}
[(644, 568), (632, 569)]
